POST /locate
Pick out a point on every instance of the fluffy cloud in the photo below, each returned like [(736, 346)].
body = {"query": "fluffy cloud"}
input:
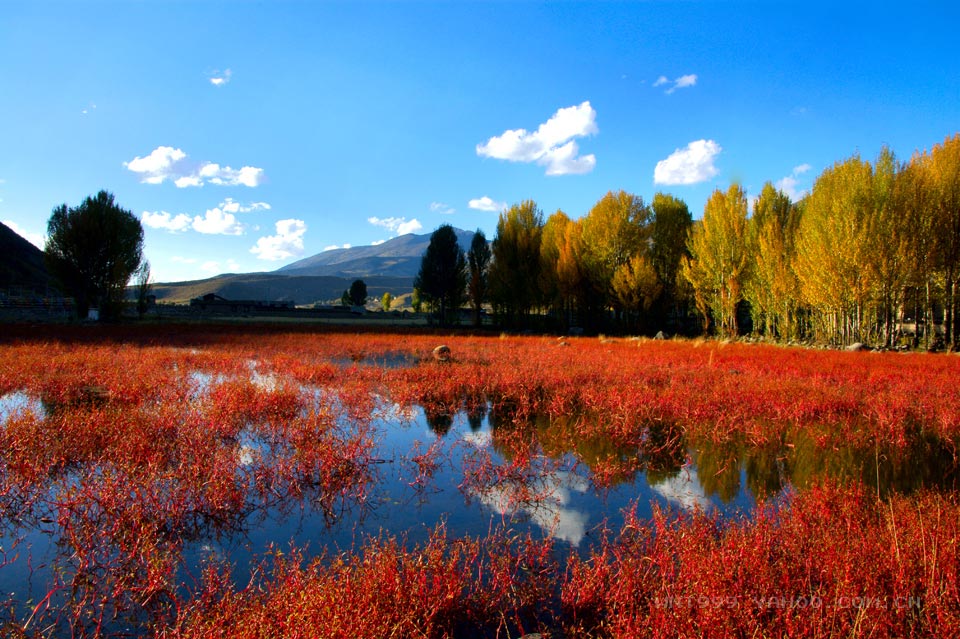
[(165, 221), (218, 79), (334, 247), (226, 176), (487, 204), (216, 221), (167, 163), (682, 82), (552, 145), (287, 243), (220, 220), (690, 165), (158, 166), (398, 225), (790, 184), (34, 238)]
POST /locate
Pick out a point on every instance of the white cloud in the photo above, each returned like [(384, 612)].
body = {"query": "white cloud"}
[(682, 82), (551, 145), (790, 184), (232, 206), (218, 79), (412, 226), (398, 225), (690, 165), (216, 221), (685, 81), (166, 221), (334, 247), (441, 208), (487, 204), (160, 165), (219, 220), (36, 239), (167, 163), (226, 176), (376, 243), (287, 243), (188, 180)]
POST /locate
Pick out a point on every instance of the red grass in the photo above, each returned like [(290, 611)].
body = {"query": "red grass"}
[(133, 459)]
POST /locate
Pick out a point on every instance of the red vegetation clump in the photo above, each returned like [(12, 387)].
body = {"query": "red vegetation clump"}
[(830, 562)]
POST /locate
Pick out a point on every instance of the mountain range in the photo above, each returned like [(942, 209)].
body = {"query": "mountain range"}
[(322, 278), (399, 257)]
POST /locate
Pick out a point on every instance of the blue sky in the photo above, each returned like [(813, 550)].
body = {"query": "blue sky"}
[(246, 135)]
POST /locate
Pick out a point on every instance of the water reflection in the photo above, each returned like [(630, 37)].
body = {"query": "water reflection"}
[(545, 500), (440, 420), (691, 471), (327, 472), (20, 402), (391, 359), (683, 489)]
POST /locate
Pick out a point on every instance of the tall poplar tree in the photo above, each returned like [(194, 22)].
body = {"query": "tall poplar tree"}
[(615, 230), (772, 288), (515, 268), (718, 264), (668, 245), (551, 243), (478, 260), (944, 181), (832, 249)]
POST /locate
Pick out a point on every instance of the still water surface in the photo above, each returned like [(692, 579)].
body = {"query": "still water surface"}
[(465, 470)]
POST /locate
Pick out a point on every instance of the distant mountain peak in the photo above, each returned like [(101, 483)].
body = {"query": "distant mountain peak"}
[(397, 257)]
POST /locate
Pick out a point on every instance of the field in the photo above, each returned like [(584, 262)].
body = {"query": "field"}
[(275, 481)]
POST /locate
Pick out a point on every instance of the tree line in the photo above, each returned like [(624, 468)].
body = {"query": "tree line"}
[(874, 247)]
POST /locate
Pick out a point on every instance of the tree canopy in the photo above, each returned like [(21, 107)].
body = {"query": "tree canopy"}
[(478, 258), (357, 293), (93, 249), (442, 279), (515, 270), (718, 264)]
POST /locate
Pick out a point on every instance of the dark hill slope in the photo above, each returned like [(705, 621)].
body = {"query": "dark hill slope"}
[(21, 263)]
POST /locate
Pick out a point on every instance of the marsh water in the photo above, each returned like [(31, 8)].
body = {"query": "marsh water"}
[(472, 473)]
